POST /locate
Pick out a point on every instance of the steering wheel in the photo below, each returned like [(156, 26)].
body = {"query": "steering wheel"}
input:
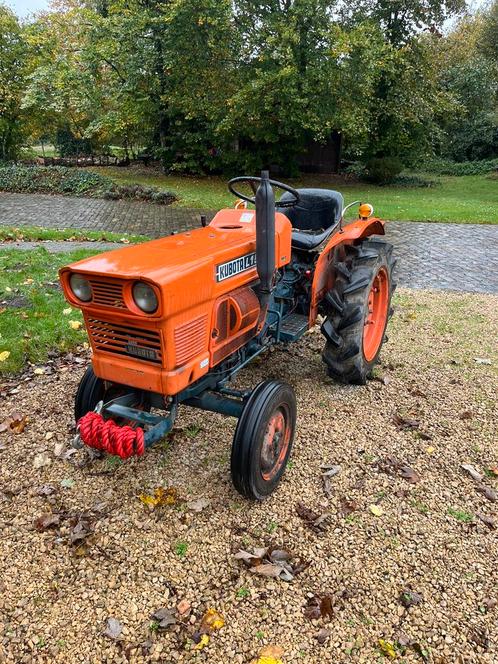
[(254, 182)]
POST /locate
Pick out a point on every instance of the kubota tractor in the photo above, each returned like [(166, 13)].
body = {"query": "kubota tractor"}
[(173, 320)]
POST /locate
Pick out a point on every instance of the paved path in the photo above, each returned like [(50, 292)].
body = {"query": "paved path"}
[(460, 257)]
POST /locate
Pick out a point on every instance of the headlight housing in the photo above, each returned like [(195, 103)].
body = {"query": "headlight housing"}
[(144, 297), (81, 287)]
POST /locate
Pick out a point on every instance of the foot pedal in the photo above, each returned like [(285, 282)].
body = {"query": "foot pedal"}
[(293, 327)]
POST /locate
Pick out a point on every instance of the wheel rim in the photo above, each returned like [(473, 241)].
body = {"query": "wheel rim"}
[(376, 316), (275, 443)]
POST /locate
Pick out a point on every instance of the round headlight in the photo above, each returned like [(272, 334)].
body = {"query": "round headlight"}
[(81, 287), (145, 297)]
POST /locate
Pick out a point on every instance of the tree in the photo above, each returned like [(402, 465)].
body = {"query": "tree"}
[(13, 70)]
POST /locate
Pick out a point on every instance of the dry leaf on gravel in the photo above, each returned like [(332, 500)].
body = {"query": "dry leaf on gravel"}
[(315, 521), (493, 470), (488, 493), (211, 621), (46, 521), (405, 423), (490, 603), (16, 423), (164, 617), (41, 460), (45, 490), (198, 505), (410, 598), (203, 640), (489, 521), (325, 605), (322, 635), (387, 648), (408, 474), (470, 470), (81, 528), (347, 506), (273, 563), (376, 510), (269, 655), (113, 628), (160, 497)]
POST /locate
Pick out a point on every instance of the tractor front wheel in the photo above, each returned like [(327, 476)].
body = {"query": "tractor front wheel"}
[(358, 308), (263, 439), (93, 389)]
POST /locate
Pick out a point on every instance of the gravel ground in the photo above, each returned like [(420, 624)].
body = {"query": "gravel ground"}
[(427, 547)]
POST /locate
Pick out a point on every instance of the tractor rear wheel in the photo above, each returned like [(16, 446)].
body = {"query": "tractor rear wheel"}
[(263, 439), (358, 308), (92, 389)]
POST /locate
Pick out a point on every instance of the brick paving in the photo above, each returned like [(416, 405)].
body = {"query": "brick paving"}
[(458, 257)]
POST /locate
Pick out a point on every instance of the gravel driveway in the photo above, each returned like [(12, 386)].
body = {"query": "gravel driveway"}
[(404, 563)]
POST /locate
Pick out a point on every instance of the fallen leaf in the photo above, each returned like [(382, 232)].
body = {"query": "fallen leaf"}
[(494, 470), (45, 521), (39, 371), (42, 460), (198, 505), (405, 423), (410, 598), (204, 640), (67, 311), (476, 475), (347, 506), (113, 629), (488, 492), (376, 510), (45, 490), (322, 635), (312, 519), (489, 521), (164, 617), (272, 570), (331, 471), (466, 415), (490, 603), (430, 450), (75, 324), (387, 648), (482, 360), (408, 474), (211, 621), (270, 655), (161, 496), (67, 483), (18, 423)]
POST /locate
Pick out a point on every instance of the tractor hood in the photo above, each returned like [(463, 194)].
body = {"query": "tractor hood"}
[(189, 266)]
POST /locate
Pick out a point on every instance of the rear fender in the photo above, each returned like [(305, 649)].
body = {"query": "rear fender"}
[(323, 278)]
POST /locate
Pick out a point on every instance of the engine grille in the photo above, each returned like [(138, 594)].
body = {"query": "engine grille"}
[(190, 339), (107, 292), (124, 340)]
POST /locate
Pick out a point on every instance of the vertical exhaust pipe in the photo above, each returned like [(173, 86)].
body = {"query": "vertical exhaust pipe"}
[(265, 238)]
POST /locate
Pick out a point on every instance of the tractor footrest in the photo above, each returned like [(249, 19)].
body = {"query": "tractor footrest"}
[(293, 327)]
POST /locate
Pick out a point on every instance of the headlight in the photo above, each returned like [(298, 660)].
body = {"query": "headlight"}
[(366, 211), (145, 297), (81, 287)]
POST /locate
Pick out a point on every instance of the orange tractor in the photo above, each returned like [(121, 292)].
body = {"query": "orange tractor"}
[(173, 320)]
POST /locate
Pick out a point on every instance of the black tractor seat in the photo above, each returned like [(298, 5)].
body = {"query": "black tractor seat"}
[(314, 218)]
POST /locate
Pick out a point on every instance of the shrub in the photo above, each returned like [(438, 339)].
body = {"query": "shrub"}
[(412, 180), (75, 182), (447, 167), (383, 170)]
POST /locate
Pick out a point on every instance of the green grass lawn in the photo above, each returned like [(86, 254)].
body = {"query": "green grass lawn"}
[(32, 318), (467, 199), (34, 233)]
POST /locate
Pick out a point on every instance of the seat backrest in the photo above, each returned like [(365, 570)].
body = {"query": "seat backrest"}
[(317, 209)]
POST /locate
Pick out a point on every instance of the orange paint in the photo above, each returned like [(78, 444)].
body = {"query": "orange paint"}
[(323, 278), (190, 273)]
